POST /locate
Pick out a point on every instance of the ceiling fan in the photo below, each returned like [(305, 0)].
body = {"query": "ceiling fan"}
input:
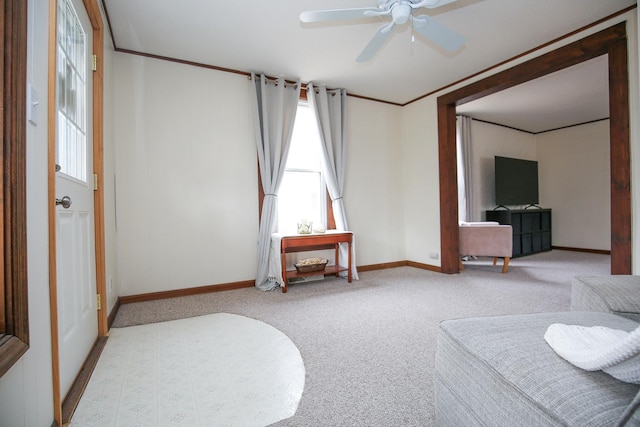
[(401, 11)]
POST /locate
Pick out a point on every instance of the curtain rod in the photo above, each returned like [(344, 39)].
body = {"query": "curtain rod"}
[(271, 79), (304, 86)]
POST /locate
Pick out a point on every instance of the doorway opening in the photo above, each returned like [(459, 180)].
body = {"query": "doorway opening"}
[(611, 42)]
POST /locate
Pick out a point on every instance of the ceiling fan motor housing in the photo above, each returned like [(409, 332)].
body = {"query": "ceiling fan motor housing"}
[(401, 12)]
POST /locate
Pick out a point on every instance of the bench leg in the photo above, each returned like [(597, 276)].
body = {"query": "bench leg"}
[(505, 267), (461, 264)]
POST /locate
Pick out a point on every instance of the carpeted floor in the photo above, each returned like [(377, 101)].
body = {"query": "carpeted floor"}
[(368, 347)]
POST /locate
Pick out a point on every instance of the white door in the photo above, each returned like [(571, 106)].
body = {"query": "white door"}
[(75, 248)]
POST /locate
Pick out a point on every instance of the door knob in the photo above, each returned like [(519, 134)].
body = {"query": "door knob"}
[(65, 202)]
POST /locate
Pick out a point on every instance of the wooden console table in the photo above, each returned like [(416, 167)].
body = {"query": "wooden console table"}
[(313, 242)]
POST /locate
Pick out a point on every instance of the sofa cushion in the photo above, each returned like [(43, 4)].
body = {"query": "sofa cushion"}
[(500, 371), (614, 294), (486, 240)]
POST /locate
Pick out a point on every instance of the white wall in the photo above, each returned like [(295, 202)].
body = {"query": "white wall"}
[(573, 166), (374, 185), (111, 252), (422, 181), (186, 177), (574, 172), (26, 397), (489, 141)]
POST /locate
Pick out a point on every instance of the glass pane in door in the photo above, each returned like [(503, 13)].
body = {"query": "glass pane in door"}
[(71, 99)]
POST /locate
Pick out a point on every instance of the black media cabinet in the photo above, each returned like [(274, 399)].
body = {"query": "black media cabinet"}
[(531, 229)]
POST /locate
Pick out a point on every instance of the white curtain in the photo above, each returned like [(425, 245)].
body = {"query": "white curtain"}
[(276, 103), (466, 206), (329, 107)]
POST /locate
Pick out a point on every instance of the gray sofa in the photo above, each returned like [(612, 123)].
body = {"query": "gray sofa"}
[(499, 371)]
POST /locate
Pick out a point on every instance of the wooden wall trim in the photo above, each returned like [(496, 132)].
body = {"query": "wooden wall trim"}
[(95, 16), (382, 266), (113, 313), (128, 299), (566, 56), (72, 399), (14, 326), (422, 266), (522, 55), (587, 251), (366, 98), (51, 159), (448, 186), (611, 41), (406, 263), (620, 154)]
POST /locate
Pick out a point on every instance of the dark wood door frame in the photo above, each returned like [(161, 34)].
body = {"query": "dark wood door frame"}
[(611, 42)]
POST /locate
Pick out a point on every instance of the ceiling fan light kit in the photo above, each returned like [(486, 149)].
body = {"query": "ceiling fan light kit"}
[(401, 11)]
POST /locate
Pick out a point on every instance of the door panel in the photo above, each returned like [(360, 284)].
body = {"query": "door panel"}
[(75, 244)]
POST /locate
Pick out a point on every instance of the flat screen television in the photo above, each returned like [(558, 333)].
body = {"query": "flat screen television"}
[(516, 181)]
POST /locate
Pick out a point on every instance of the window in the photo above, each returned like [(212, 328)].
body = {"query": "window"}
[(303, 192), (14, 318), (71, 88)]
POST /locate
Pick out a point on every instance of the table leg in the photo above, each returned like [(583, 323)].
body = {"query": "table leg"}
[(349, 263), (283, 257)]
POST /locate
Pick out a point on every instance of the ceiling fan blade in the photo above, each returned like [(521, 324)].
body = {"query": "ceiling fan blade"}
[(376, 43), (335, 14), (438, 33), (430, 4)]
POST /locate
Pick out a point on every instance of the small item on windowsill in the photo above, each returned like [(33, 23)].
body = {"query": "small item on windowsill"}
[(311, 264), (305, 227), (319, 229)]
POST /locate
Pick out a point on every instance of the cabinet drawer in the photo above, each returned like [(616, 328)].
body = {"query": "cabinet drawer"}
[(516, 223), (517, 246), (545, 220), (527, 247), (546, 240), (536, 242)]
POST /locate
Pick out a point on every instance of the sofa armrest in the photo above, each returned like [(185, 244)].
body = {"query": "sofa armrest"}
[(612, 294)]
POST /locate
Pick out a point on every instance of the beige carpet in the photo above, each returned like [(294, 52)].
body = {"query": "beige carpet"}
[(213, 370), (369, 346)]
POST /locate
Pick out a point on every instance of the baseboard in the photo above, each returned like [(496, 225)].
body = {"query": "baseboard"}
[(429, 267), (113, 314), (72, 398), (383, 266), (128, 299), (186, 292), (590, 251)]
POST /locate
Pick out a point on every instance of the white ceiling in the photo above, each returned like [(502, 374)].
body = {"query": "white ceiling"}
[(267, 36), (575, 95)]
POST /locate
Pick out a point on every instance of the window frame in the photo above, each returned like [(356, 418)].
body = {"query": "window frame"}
[(331, 222), (14, 316)]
